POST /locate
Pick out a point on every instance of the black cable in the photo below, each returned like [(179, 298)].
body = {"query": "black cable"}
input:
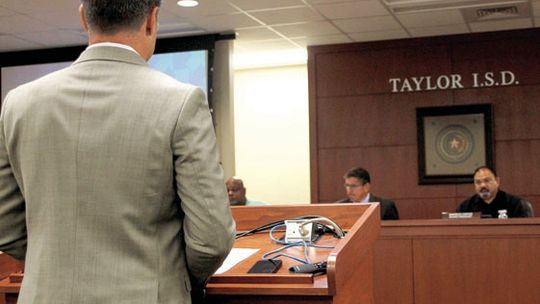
[(259, 229), (272, 225)]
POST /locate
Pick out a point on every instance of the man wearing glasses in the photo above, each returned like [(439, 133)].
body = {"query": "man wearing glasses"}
[(358, 184)]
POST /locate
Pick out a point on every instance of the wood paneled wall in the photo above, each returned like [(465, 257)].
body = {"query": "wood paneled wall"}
[(356, 120)]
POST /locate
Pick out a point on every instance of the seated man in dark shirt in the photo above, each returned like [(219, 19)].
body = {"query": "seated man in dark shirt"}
[(489, 199), (358, 184)]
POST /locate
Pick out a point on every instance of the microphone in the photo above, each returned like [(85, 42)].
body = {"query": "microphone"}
[(319, 267)]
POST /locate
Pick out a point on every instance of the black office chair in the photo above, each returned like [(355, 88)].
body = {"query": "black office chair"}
[(527, 206)]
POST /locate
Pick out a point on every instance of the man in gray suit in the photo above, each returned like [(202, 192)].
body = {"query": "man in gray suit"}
[(110, 185)]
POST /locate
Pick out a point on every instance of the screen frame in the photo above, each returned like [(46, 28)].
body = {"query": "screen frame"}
[(163, 45)]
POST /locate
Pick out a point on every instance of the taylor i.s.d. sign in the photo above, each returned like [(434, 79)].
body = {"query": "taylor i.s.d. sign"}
[(452, 81)]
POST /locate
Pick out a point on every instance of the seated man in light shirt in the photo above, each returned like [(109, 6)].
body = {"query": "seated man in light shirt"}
[(237, 193), (358, 184)]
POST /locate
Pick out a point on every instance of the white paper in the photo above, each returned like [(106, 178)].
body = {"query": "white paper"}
[(236, 256)]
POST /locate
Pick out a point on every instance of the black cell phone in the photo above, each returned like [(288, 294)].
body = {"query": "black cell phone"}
[(265, 266)]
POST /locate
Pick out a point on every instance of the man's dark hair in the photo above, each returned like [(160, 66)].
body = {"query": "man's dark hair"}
[(360, 173), (111, 16), (486, 168)]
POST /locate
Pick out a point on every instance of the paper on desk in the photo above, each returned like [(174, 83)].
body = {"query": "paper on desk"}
[(236, 256)]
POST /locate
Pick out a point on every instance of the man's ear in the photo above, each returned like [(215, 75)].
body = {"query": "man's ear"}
[(367, 186), (83, 18), (152, 21)]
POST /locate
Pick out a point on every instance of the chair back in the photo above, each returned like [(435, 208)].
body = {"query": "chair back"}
[(528, 208)]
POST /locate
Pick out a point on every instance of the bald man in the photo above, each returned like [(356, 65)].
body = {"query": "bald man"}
[(237, 193)]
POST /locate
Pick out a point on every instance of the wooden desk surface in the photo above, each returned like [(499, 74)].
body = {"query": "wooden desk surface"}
[(280, 283), (460, 227), (458, 261)]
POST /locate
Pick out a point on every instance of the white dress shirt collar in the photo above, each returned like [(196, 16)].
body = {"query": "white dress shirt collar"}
[(113, 44), (366, 199)]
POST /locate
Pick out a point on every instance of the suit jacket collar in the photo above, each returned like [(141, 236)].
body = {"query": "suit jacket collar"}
[(373, 198), (367, 199), (110, 53)]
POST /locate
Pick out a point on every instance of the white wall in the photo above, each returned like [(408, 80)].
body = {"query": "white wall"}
[(271, 130), (223, 79)]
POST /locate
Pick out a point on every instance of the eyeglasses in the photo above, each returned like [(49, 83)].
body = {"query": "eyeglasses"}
[(352, 186)]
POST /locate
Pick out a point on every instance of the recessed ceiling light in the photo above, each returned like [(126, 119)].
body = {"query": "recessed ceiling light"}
[(187, 3)]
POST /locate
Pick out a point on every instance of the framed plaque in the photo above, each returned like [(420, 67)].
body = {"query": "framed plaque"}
[(452, 142)]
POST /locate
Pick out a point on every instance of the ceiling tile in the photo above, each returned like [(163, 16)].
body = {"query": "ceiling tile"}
[(11, 43), (220, 23), (329, 1), (167, 16), (435, 19), (256, 33), (171, 25), (56, 37), (263, 46), (439, 30), (306, 21), (23, 24), (36, 8), (349, 10), (249, 5), (307, 29), (5, 12), (319, 40), (368, 24), (173, 29), (379, 35), (62, 20), (509, 24), (29, 7), (289, 15)]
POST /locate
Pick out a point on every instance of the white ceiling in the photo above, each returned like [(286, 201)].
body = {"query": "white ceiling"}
[(268, 25)]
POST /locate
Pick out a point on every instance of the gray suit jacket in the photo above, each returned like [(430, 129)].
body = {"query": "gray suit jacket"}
[(110, 184)]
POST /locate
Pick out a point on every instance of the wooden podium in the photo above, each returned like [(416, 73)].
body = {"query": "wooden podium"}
[(10, 279), (349, 277)]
